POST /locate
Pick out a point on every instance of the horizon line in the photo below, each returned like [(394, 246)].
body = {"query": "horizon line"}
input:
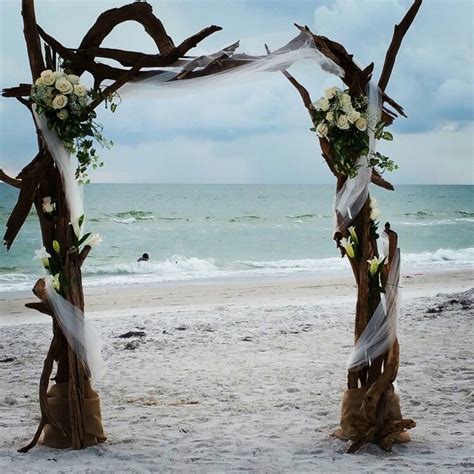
[(260, 184)]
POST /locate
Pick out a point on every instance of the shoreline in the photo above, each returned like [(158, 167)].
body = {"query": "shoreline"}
[(152, 297)]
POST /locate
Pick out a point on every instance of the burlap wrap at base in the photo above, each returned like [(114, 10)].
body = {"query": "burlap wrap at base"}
[(58, 405), (351, 404)]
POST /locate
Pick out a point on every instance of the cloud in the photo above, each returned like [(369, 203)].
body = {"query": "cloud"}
[(287, 157), (258, 131), (441, 156)]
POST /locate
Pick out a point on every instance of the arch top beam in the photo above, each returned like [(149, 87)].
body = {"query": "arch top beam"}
[(141, 13)]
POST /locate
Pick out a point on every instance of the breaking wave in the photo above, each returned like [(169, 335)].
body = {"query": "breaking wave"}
[(180, 268)]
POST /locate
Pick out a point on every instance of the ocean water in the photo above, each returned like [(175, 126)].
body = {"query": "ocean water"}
[(219, 231)]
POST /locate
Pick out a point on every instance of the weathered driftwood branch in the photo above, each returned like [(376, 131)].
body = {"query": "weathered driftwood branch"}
[(32, 39), (130, 58), (82, 59), (23, 90), (40, 292), (110, 90), (16, 183), (81, 63), (30, 181), (137, 11), (83, 254), (355, 78), (398, 35)]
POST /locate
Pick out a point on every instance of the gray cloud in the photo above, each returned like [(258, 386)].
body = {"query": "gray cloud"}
[(258, 131)]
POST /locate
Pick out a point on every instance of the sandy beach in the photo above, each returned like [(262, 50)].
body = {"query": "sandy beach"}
[(246, 376)]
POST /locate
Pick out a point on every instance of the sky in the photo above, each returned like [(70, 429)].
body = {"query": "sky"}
[(257, 131)]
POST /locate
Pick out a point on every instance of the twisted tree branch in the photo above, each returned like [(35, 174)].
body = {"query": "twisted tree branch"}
[(398, 35)]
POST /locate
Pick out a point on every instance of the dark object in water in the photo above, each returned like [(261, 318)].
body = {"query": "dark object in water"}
[(144, 258)]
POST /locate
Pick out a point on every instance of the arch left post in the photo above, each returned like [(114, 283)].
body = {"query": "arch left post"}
[(70, 408)]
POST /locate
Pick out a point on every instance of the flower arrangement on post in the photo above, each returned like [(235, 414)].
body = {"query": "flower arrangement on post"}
[(64, 101), (344, 121)]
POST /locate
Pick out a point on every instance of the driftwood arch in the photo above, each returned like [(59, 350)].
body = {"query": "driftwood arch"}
[(41, 178)]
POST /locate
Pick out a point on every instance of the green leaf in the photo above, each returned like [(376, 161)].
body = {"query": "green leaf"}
[(83, 239), (387, 136)]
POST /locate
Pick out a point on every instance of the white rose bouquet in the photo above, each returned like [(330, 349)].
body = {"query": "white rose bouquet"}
[(343, 121), (64, 101)]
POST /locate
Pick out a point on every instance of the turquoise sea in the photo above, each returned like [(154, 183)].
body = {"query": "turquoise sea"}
[(219, 231)]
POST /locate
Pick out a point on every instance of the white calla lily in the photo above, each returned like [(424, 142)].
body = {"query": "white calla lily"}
[(93, 239), (43, 256), (346, 244), (352, 233), (374, 264)]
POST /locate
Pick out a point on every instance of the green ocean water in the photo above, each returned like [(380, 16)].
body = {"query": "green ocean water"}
[(221, 231)]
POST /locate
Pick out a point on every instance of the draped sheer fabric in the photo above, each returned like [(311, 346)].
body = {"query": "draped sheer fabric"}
[(79, 332), (192, 75), (66, 164), (381, 331), (350, 199)]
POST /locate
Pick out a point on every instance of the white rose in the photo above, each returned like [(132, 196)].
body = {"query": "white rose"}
[(354, 116), (48, 77), (373, 202), (374, 213), (343, 122), (322, 104), (58, 74), (361, 124), (73, 79), (331, 92), (63, 114), (329, 116), (40, 82), (345, 99), (48, 205), (59, 102), (322, 130), (64, 86), (80, 90)]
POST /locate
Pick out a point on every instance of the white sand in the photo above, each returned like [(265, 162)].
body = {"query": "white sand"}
[(235, 376)]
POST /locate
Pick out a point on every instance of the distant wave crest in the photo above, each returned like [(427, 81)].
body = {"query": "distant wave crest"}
[(129, 217), (437, 222)]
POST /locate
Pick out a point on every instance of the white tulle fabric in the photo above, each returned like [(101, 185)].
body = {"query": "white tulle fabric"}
[(381, 331), (66, 165), (350, 199), (79, 332), (174, 80)]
